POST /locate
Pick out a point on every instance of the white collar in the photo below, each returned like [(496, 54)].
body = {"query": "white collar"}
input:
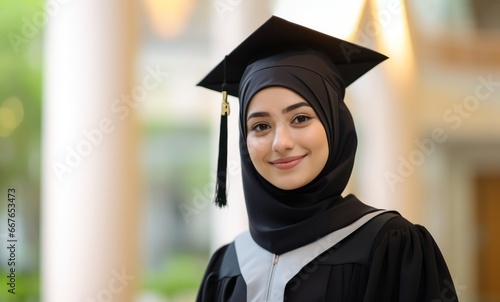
[(266, 274)]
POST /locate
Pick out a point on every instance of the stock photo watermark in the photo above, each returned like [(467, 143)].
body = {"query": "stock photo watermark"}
[(381, 19), (120, 107), (11, 241), (32, 26), (202, 199), (454, 117), (450, 293), (224, 6), (116, 285)]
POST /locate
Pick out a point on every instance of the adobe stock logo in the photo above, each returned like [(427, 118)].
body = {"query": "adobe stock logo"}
[(204, 197), (32, 26), (223, 6), (116, 284), (121, 108), (454, 118)]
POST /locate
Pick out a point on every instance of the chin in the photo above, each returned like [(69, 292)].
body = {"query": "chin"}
[(289, 185)]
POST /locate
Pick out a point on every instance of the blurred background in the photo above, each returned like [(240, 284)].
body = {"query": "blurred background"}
[(111, 148)]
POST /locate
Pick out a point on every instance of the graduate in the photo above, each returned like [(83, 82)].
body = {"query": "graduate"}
[(307, 242)]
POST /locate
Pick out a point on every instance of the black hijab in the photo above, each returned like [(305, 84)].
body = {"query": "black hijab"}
[(283, 220)]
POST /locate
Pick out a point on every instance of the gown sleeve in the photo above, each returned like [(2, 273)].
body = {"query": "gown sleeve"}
[(209, 283), (407, 266)]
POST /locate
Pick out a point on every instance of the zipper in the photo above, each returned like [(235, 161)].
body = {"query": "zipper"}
[(271, 275)]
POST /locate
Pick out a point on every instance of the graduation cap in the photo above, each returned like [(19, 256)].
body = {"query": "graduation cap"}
[(275, 35)]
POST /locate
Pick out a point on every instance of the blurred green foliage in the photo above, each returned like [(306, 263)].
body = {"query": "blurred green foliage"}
[(21, 39), (21, 78), (182, 273), (27, 288), (21, 70)]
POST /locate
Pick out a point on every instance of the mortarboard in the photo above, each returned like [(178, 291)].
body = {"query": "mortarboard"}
[(275, 35)]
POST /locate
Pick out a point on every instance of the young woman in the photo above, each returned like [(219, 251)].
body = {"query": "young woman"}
[(306, 242)]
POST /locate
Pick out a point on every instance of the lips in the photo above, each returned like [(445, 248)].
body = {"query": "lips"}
[(287, 162)]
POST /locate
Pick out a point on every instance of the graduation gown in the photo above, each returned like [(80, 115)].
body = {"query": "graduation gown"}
[(386, 259)]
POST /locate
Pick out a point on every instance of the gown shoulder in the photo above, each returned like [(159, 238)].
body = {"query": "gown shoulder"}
[(388, 259), (211, 276), (406, 264)]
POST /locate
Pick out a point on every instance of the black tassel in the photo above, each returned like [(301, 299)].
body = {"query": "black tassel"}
[(220, 187)]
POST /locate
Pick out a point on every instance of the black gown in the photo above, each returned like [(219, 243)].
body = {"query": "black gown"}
[(387, 259)]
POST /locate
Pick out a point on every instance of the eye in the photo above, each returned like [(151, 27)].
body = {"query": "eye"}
[(259, 127), (301, 118)]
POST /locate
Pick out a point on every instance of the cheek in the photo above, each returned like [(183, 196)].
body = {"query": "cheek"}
[(319, 142), (255, 148)]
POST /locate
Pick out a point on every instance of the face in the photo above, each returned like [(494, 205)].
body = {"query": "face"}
[(286, 141)]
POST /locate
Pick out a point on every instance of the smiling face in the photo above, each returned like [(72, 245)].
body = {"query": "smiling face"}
[(286, 141)]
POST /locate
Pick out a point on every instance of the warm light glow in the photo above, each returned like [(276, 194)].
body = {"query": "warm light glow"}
[(169, 18), (8, 118), (395, 38), (11, 115), (334, 17), (15, 104)]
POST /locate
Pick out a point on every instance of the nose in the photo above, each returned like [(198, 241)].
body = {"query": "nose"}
[(282, 141)]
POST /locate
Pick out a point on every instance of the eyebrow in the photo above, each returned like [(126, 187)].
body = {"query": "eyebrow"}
[(295, 106), (285, 110)]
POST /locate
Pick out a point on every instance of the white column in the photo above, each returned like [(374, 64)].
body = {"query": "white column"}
[(90, 185)]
